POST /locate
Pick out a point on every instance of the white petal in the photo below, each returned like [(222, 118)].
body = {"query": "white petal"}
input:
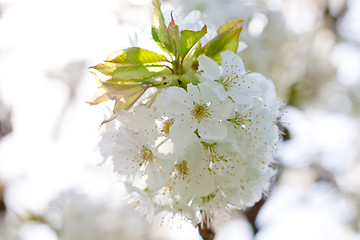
[(240, 97), (212, 129), (251, 83), (191, 21), (126, 151), (268, 92), (155, 177), (242, 46), (207, 93), (221, 110), (232, 64), (218, 88), (175, 100), (182, 132), (193, 93), (201, 182), (143, 118), (209, 66), (261, 120), (126, 163)]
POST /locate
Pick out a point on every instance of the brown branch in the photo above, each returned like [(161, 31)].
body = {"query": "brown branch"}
[(2, 202), (252, 213), (205, 231)]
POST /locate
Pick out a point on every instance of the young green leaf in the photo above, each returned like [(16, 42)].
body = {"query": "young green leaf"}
[(174, 37), (126, 102), (229, 25), (100, 94), (120, 72), (133, 63), (113, 91), (135, 56), (189, 39), (228, 39), (159, 30)]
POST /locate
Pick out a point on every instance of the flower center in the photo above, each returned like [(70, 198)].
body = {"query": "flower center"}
[(211, 150), (208, 197), (239, 121), (166, 126), (182, 167), (217, 160), (226, 82), (146, 155), (182, 170), (200, 111)]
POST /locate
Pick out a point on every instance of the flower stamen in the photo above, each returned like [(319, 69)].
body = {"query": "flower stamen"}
[(166, 126), (146, 155), (200, 111)]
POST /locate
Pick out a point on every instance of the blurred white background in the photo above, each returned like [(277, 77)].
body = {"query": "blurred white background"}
[(48, 135)]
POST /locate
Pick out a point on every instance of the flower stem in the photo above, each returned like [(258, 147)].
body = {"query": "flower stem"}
[(205, 231)]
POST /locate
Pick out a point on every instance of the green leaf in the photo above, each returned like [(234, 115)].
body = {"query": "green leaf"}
[(229, 25), (113, 91), (135, 56), (190, 62), (125, 103), (159, 30), (157, 39), (174, 37), (226, 40), (120, 72), (134, 64), (189, 39)]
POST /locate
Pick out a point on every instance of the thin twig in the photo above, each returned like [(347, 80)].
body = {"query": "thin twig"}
[(205, 231)]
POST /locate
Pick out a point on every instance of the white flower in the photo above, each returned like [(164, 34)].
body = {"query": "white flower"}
[(232, 81), (142, 201), (199, 109), (191, 176), (255, 120), (229, 9), (192, 21), (134, 154), (107, 139)]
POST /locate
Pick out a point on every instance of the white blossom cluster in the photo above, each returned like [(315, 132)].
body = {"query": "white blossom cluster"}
[(198, 150)]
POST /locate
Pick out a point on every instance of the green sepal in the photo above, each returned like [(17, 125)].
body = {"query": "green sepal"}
[(189, 39), (187, 78), (171, 80)]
